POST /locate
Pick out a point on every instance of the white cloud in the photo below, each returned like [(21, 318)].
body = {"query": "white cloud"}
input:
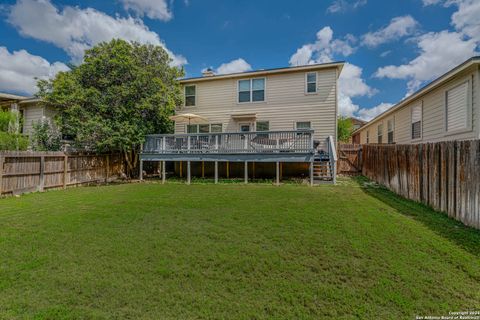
[(439, 52), (467, 18), (154, 9), (351, 84), (370, 113), (74, 29), (398, 27), (323, 49), (19, 69), (339, 6), (234, 66)]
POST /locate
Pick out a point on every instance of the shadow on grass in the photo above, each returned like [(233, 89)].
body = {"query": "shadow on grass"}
[(465, 237)]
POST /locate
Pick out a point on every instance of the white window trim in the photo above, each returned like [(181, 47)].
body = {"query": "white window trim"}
[(392, 120), (185, 95), (469, 109), (306, 83), (421, 121), (251, 90), (380, 132)]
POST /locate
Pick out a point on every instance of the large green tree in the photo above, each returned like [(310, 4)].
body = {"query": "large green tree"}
[(121, 92), (344, 129)]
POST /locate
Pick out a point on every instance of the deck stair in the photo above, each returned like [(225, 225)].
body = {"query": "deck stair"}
[(322, 168)]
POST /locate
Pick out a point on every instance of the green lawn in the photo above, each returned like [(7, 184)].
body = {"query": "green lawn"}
[(152, 251)]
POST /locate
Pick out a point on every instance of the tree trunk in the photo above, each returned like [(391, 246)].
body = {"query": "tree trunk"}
[(131, 159)]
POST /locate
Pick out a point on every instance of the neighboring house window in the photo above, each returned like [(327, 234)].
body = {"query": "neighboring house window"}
[(417, 121), (457, 109), (252, 90), (204, 128), (390, 130), (311, 82), (380, 133), (190, 95), (263, 126), (368, 136), (303, 125)]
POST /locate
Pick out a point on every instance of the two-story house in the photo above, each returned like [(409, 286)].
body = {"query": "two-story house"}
[(284, 117), (448, 108)]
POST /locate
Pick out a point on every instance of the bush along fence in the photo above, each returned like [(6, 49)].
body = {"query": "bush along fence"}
[(22, 172), (443, 175)]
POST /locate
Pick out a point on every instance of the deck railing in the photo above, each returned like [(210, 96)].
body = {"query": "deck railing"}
[(299, 141)]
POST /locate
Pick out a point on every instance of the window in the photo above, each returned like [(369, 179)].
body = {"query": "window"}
[(190, 93), (263, 126), (204, 128), (252, 90), (311, 82), (303, 125), (417, 121), (217, 127), (380, 133), (368, 137), (457, 109), (390, 130)]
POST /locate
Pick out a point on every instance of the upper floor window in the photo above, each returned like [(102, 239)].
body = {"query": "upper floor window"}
[(416, 121), (303, 125), (311, 82), (457, 109), (380, 133), (262, 126), (251, 90), (190, 95), (390, 130)]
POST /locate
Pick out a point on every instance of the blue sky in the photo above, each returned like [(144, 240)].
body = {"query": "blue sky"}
[(392, 47)]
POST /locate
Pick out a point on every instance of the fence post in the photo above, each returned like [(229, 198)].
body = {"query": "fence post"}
[(65, 167), (2, 161), (42, 173)]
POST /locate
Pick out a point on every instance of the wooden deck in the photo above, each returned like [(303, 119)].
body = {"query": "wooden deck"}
[(265, 146)]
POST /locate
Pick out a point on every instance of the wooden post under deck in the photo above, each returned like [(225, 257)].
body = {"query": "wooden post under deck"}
[(188, 172), (277, 165), (163, 171), (141, 170), (216, 171), (311, 173), (203, 169), (181, 169), (246, 172), (228, 170)]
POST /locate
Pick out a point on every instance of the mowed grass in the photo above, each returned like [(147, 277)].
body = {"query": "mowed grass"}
[(204, 251)]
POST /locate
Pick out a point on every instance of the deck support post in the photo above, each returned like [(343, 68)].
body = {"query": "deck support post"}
[(188, 172), (277, 165), (141, 170), (163, 172), (246, 172), (311, 173), (253, 170), (203, 169), (181, 169), (216, 171), (228, 170)]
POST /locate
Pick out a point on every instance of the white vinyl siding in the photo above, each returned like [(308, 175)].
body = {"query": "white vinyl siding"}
[(456, 109), (416, 122), (285, 103)]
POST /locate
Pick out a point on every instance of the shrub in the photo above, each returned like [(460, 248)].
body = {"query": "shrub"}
[(13, 141), (45, 136)]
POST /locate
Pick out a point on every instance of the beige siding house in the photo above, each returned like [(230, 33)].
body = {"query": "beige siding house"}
[(276, 115), (446, 109), (31, 109)]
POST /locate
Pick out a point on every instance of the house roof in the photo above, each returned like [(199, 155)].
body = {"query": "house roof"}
[(8, 96), (261, 72), (424, 90)]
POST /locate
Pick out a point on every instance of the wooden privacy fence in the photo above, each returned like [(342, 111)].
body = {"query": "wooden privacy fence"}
[(22, 172), (349, 159), (443, 175)]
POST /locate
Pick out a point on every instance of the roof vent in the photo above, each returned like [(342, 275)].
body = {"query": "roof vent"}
[(208, 72)]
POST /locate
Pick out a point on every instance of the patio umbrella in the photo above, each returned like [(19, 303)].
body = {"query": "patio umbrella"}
[(190, 117)]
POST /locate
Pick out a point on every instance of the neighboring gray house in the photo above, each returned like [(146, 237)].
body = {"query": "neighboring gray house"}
[(278, 116), (30, 108), (446, 109)]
